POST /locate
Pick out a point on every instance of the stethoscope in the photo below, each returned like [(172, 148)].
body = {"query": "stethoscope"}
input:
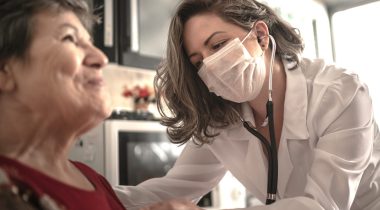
[(270, 147)]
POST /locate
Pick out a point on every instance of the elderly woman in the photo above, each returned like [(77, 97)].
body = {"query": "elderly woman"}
[(51, 91)]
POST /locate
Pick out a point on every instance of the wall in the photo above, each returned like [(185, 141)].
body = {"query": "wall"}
[(356, 46), (311, 18), (120, 79)]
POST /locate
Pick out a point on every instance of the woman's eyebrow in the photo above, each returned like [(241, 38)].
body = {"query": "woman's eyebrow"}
[(205, 43), (212, 35), (69, 25)]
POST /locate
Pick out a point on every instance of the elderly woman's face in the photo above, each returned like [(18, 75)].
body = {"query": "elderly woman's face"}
[(62, 72)]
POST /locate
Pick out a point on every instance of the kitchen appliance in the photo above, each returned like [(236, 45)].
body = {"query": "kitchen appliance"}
[(133, 32), (128, 151)]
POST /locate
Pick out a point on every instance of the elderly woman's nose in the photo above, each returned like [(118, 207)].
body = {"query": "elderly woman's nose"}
[(95, 58)]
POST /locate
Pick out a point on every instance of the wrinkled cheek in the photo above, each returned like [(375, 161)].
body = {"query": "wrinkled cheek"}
[(77, 91), (66, 90)]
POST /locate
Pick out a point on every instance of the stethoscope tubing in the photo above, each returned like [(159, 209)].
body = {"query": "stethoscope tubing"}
[(274, 178), (271, 149), (270, 146), (270, 159)]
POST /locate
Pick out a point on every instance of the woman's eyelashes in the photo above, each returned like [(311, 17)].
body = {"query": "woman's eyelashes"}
[(79, 42), (218, 45), (70, 38), (212, 48)]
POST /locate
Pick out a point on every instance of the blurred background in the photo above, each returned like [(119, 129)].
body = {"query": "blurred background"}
[(133, 33)]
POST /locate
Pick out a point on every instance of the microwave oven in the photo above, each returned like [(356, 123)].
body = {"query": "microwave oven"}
[(127, 152)]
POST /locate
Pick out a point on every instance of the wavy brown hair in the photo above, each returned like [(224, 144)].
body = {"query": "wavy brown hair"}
[(194, 112)]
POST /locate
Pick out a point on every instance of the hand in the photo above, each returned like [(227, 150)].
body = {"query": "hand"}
[(172, 205)]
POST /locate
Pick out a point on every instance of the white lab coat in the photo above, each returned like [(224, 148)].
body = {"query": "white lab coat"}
[(328, 154)]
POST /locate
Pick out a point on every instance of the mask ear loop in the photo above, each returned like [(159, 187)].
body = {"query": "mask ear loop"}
[(249, 33)]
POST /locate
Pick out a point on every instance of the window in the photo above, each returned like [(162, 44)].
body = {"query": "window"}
[(356, 39)]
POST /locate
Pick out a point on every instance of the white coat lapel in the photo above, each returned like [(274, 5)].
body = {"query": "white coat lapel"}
[(294, 126), (256, 164), (241, 153)]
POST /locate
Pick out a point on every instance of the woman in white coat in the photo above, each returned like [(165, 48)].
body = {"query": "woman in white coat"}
[(221, 59)]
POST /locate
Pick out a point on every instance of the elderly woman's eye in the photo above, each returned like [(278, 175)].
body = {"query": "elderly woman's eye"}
[(69, 38)]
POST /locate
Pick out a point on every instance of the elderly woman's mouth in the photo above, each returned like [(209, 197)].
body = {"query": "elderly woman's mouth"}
[(96, 82)]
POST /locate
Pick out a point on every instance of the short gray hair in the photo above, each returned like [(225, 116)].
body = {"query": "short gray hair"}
[(16, 22)]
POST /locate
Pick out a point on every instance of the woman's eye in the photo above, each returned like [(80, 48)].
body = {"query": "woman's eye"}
[(218, 45), (70, 38)]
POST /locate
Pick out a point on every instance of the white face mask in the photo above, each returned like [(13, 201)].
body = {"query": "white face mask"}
[(232, 73)]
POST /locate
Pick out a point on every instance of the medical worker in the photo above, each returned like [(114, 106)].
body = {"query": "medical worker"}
[(226, 61)]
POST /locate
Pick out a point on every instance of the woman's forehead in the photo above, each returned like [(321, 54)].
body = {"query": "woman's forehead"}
[(49, 22), (201, 27)]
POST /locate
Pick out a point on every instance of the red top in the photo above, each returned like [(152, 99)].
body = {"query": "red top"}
[(72, 198)]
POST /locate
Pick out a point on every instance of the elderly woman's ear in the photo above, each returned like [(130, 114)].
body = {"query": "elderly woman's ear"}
[(7, 82)]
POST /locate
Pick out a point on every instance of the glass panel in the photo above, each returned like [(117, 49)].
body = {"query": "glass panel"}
[(356, 37), (145, 155), (154, 23)]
